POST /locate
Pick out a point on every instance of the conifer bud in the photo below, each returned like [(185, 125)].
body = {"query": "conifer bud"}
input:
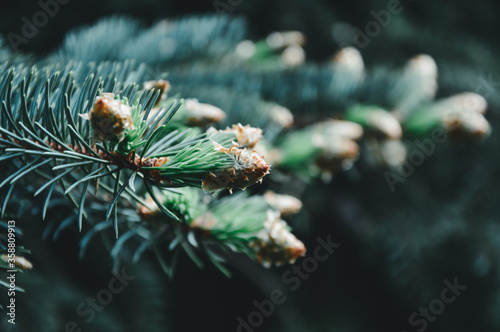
[(149, 210), (248, 169), (387, 124), (109, 117), (286, 38), (467, 124), (422, 65), (159, 85), (349, 59), (339, 153), (281, 115), (206, 221), (338, 128), (245, 49), (421, 74), (460, 115), (275, 244), (285, 204), (20, 262), (336, 140), (377, 121), (465, 102), (326, 146), (246, 136), (392, 152), (200, 114), (293, 55)]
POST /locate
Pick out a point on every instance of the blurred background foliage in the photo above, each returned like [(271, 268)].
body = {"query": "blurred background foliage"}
[(396, 247)]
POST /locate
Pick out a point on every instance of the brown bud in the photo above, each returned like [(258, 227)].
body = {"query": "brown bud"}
[(109, 117), (248, 169), (285, 204), (159, 85), (20, 262), (467, 124), (200, 114), (340, 153), (275, 244), (246, 136)]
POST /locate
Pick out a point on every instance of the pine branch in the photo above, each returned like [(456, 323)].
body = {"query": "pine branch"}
[(85, 140), (166, 42)]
